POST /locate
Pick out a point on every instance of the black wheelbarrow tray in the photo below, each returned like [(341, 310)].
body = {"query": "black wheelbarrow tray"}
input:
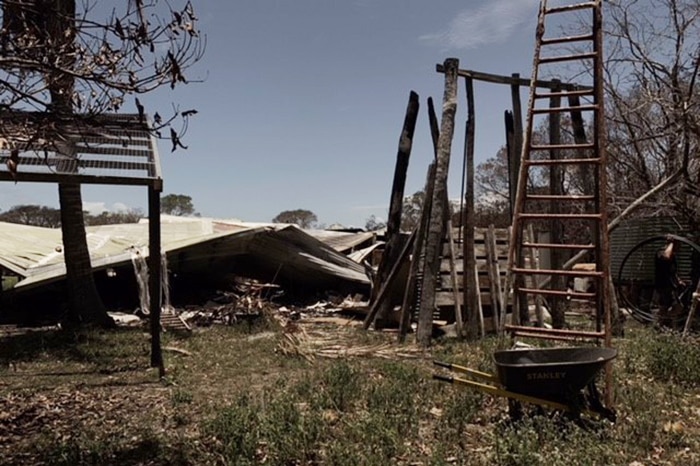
[(550, 377)]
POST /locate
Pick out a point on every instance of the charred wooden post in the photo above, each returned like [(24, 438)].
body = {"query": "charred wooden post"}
[(510, 154), (520, 311), (436, 226), (471, 289), (393, 227), (455, 281), (413, 295), (555, 226), (493, 275), (154, 277), (514, 154), (502, 295)]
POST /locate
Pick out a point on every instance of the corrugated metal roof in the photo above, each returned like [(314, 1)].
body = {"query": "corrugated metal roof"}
[(36, 253)]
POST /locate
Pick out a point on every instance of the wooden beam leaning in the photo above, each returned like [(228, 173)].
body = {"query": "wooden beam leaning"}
[(393, 227), (388, 282), (414, 292), (514, 154), (436, 226), (453, 277), (471, 289)]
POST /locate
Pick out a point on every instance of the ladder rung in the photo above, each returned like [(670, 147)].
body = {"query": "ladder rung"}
[(563, 273), (558, 246), (573, 56), (555, 331), (564, 9), (570, 294), (562, 216), (562, 161), (580, 108), (559, 197), (562, 40), (586, 146), (578, 92)]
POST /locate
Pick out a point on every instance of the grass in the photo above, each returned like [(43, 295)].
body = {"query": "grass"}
[(236, 399)]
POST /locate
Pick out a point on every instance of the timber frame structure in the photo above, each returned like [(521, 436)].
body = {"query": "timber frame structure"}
[(108, 149), (555, 157)]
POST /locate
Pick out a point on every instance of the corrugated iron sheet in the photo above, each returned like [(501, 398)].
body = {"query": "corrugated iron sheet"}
[(192, 245)]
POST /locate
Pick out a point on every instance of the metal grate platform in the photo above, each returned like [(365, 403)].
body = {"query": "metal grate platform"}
[(105, 149)]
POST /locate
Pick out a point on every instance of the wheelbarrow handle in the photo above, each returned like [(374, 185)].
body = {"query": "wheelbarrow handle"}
[(446, 365), (470, 372), (443, 378)]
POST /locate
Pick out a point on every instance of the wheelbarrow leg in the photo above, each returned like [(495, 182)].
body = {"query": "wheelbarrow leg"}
[(515, 410), (596, 405)]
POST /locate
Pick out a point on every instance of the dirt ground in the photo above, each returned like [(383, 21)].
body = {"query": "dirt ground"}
[(90, 398)]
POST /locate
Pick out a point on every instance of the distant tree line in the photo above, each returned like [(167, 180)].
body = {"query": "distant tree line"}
[(49, 217)]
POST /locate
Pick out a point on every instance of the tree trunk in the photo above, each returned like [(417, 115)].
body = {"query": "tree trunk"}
[(84, 303)]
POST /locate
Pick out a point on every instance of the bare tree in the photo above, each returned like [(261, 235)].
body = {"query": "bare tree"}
[(65, 62), (653, 58)]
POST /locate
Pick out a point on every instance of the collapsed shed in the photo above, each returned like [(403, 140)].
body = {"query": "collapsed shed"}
[(199, 253)]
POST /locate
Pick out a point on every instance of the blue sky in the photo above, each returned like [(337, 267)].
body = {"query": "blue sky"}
[(302, 103)]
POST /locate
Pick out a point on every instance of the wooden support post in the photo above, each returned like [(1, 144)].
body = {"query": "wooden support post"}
[(435, 134), (471, 290), (393, 227), (453, 277), (480, 308), (556, 305), (534, 263), (436, 225), (514, 156), (502, 300), (414, 285), (493, 274), (507, 286), (154, 278), (520, 305), (422, 292)]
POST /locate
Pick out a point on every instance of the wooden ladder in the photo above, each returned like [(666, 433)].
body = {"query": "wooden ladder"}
[(569, 214)]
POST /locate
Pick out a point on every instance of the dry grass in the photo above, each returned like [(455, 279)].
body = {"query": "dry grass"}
[(320, 393)]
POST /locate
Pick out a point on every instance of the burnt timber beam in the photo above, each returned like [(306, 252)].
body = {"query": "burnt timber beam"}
[(513, 80), (393, 226)]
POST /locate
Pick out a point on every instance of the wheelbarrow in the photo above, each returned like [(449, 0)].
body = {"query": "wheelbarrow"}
[(548, 377)]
